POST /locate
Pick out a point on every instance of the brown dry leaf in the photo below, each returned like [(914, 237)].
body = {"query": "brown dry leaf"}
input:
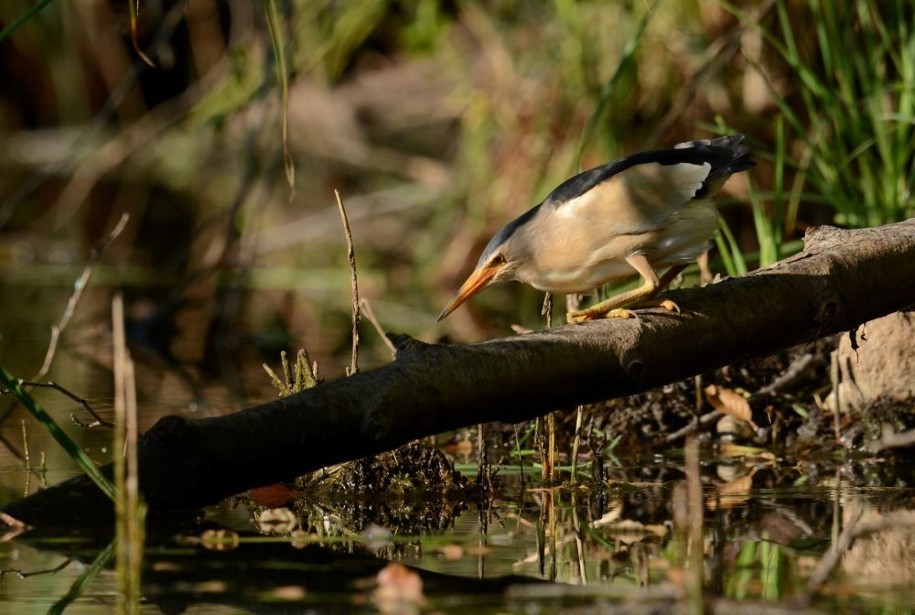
[(479, 550), (452, 552), (462, 448), (398, 587), (288, 592), (730, 402), (272, 496), (299, 539), (731, 494)]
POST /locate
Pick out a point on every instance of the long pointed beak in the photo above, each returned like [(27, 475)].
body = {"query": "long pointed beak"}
[(477, 281)]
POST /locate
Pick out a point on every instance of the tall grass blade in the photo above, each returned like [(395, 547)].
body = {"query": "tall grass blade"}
[(82, 582), (626, 61), (72, 448), (25, 17), (731, 256), (133, 7), (855, 112), (278, 41)]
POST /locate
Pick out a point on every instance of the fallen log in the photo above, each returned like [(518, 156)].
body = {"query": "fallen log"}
[(841, 280)]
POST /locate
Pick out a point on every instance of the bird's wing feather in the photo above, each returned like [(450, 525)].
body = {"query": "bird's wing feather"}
[(638, 192), (638, 199)]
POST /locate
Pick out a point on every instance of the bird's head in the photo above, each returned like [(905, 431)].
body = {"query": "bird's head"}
[(498, 263)]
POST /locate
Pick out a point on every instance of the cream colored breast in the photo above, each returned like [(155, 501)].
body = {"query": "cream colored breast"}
[(586, 242)]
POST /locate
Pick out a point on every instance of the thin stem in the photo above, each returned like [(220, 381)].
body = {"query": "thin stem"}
[(351, 259)]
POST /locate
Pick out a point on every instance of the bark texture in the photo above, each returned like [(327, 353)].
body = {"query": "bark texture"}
[(841, 280)]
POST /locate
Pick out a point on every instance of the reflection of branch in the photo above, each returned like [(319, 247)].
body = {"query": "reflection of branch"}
[(891, 439), (895, 519), (99, 421), (829, 561), (856, 528), (24, 575)]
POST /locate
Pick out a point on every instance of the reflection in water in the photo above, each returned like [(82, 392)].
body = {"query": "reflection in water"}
[(766, 535)]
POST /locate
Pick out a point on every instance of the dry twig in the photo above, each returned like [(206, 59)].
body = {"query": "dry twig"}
[(128, 507), (694, 426), (547, 309), (98, 420), (56, 330), (78, 287), (351, 259), (370, 314)]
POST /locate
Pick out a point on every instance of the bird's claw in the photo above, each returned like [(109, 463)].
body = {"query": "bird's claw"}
[(589, 314), (586, 315), (669, 305)]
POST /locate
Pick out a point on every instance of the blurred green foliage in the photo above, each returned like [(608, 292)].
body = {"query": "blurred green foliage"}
[(853, 134), (439, 121)]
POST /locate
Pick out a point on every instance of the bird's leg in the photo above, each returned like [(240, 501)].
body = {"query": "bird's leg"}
[(604, 308), (663, 283), (614, 307)]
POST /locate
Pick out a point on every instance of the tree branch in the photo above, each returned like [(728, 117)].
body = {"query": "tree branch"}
[(841, 280)]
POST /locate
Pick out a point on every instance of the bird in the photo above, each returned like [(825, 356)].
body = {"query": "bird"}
[(638, 215)]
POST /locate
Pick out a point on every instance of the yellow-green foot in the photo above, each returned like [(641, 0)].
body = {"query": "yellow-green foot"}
[(586, 315), (592, 314), (667, 304)]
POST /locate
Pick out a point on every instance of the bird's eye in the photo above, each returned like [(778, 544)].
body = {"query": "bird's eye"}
[(498, 259)]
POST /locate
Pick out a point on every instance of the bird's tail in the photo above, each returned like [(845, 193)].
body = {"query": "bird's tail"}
[(729, 155)]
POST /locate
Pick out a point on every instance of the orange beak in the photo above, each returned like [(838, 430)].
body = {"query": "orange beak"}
[(477, 281)]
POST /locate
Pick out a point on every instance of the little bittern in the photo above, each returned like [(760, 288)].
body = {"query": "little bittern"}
[(634, 216)]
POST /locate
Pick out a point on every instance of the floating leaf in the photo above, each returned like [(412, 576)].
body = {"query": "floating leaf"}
[(731, 494), (731, 450), (398, 586)]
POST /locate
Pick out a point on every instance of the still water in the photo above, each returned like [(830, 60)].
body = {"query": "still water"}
[(750, 535), (762, 544)]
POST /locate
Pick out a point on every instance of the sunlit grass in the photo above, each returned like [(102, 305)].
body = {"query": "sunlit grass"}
[(763, 568), (854, 129)]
